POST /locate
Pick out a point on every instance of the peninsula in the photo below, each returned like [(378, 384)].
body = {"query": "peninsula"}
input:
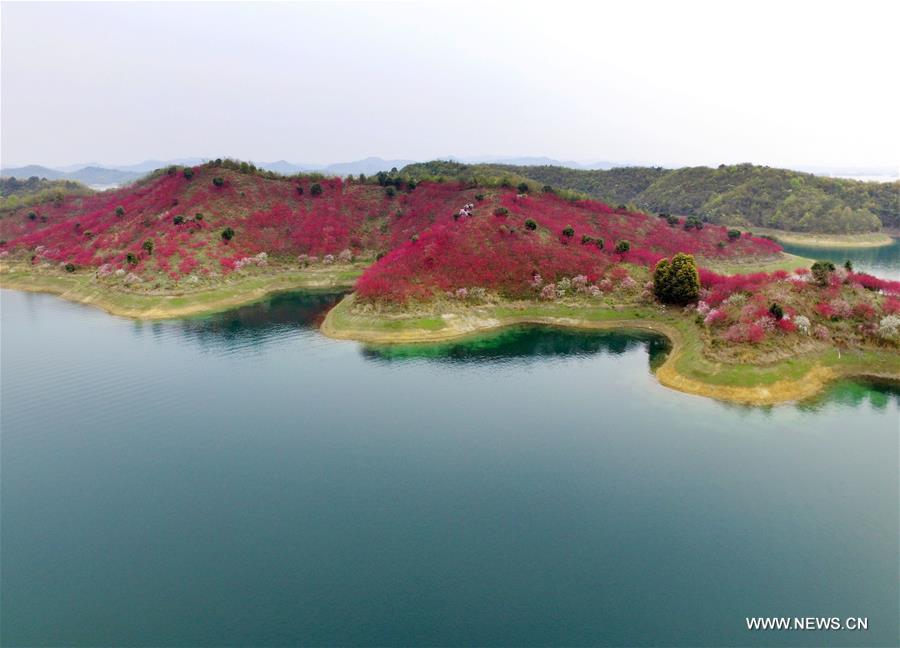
[(430, 258)]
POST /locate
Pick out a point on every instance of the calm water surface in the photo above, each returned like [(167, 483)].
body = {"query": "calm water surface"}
[(881, 261), (243, 480)]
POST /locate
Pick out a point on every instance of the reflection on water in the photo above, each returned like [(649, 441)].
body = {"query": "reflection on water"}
[(882, 261), (527, 343), (278, 315), (856, 393), (243, 480)]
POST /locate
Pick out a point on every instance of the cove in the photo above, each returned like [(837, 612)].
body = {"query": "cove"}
[(881, 261), (241, 478)]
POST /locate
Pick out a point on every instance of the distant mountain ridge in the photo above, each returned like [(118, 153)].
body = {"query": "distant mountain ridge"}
[(90, 175)]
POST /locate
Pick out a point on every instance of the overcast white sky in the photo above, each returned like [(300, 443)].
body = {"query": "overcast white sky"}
[(671, 83)]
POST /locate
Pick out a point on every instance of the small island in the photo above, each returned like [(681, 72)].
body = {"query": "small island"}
[(426, 259)]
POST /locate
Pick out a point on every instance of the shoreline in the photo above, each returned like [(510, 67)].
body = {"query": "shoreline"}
[(79, 288), (862, 241), (673, 373), (685, 368)]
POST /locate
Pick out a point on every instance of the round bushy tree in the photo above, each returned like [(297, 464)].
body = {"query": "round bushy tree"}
[(776, 311), (569, 231), (218, 182), (316, 189), (623, 246), (188, 172), (530, 224), (821, 272), (523, 187), (227, 234), (148, 245), (120, 211), (676, 281)]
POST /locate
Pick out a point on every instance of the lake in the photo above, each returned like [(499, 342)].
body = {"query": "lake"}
[(241, 479), (882, 261)]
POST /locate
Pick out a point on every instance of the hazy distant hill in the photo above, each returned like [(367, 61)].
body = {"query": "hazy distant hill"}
[(741, 194), (88, 175)]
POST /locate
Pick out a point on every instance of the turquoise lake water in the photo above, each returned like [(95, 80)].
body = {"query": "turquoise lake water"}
[(881, 261), (241, 479)]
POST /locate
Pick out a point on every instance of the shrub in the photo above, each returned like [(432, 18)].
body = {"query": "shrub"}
[(390, 192), (547, 189), (414, 238), (148, 245), (120, 211), (863, 311), (889, 327), (411, 185), (70, 267), (501, 211), (692, 222), (676, 281), (316, 189), (131, 258), (227, 234), (188, 172), (821, 272), (218, 182), (734, 234), (32, 216), (599, 243), (479, 197), (530, 224), (299, 190), (672, 220), (568, 231), (198, 216), (623, 246), (585, 239), (848, 265), (522, 187), (776, 311), (178, 220)]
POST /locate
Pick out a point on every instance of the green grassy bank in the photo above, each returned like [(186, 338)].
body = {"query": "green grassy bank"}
[(688, 367)]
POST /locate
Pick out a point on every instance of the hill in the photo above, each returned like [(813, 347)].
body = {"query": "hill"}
[(744, 194), (91, 175), (19, 193), (211, 220)]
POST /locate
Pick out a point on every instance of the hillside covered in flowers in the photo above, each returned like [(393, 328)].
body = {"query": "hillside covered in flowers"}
[(203, 223)]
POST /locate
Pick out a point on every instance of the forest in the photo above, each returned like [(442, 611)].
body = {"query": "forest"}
[(743, 195)]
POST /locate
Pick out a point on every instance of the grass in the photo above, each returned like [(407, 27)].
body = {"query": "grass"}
[(784, 261), (872, 239), (688, 368), (83, 287)]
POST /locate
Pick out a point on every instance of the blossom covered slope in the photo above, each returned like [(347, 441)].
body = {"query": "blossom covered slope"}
[(210, 220)]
